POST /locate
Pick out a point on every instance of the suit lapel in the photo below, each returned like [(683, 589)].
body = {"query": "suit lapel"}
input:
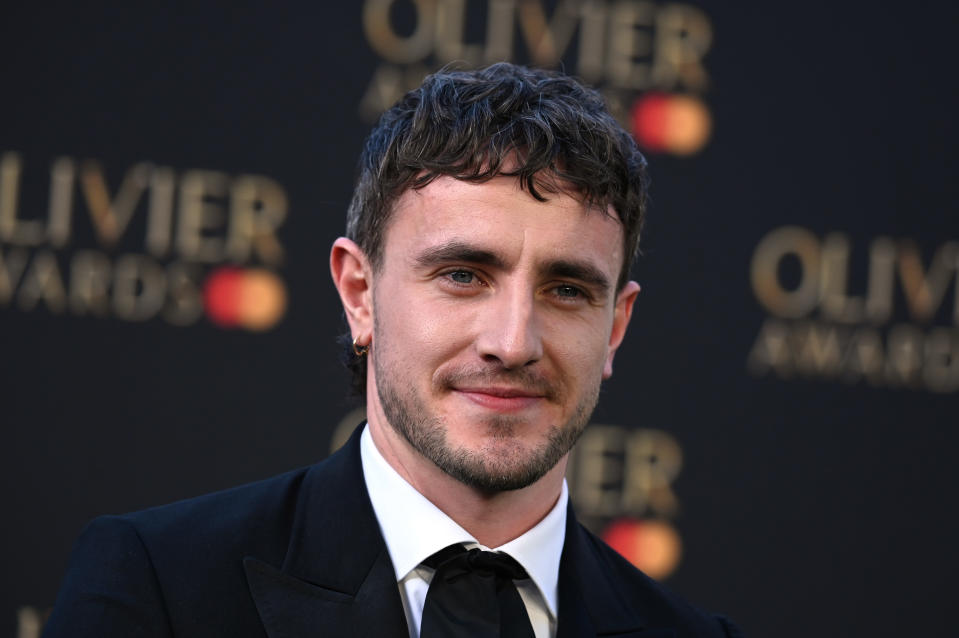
[(337, 577), (590, 603)]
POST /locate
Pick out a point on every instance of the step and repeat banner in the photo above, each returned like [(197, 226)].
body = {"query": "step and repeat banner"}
[(778, 442)]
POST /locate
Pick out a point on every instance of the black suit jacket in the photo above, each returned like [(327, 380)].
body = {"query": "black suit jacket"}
[(301, 555)]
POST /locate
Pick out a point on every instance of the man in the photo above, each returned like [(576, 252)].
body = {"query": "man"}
[(485, 283)]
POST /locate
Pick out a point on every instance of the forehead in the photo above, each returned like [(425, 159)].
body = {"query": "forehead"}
[(499, 216)]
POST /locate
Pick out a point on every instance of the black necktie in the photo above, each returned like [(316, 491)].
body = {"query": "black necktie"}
[(472, 595)]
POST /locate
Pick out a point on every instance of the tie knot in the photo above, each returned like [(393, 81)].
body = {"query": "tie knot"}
[(496, 562), (472, 595), (477, 560)]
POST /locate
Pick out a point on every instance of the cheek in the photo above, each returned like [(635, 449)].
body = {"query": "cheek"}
[(418, 332), (432, 335), (581, 347)]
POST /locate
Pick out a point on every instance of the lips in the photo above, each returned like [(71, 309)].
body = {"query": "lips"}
[(502, 392), (501, 399)]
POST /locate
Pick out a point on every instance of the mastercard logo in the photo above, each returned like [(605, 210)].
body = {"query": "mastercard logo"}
[(677, 124), (251, 298), (652, 546)]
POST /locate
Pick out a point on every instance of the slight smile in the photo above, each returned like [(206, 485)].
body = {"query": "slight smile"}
[(501, 399)]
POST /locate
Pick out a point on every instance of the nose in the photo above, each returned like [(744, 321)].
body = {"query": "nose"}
[(509, 330)]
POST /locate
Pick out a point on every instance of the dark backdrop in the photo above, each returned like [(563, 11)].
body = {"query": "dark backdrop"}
[(785, 402)]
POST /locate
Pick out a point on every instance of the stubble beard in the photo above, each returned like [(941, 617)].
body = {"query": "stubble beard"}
[(499, 466)]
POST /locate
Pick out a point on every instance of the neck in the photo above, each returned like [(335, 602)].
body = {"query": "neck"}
[(492, 518)]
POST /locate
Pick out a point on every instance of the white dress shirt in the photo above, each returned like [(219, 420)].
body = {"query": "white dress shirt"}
[(415, 529)]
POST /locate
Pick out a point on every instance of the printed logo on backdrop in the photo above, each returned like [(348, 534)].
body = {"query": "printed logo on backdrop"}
[(882, 312), (154, 244), (646, 57), (620, 480)]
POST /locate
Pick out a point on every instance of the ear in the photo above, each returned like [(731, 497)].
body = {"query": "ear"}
[(621, 315), (353, 278)]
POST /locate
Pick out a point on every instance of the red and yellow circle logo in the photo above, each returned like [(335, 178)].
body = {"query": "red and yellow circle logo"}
[(251, 298), (677, 124), (652, 546)]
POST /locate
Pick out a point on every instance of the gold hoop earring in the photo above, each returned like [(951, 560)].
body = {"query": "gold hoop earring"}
[(360, 351)]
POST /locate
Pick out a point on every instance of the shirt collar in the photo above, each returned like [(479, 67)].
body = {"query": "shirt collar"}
[(396, 503)]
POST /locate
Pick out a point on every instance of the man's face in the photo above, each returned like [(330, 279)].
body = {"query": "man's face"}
[(495, 320)]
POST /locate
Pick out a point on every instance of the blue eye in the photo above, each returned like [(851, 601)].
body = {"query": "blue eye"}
[(461, 276), (567, 291)]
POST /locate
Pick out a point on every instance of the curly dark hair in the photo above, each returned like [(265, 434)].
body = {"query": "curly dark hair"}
[(544, 128)]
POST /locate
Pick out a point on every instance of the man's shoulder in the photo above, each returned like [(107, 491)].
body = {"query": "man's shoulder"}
[(257, 519), (656, 603), (178, 569), (223, 507), (251, 519)]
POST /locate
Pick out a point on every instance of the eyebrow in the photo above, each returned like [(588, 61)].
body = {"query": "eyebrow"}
[(455, 250), (579, 270), (460, 251)]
